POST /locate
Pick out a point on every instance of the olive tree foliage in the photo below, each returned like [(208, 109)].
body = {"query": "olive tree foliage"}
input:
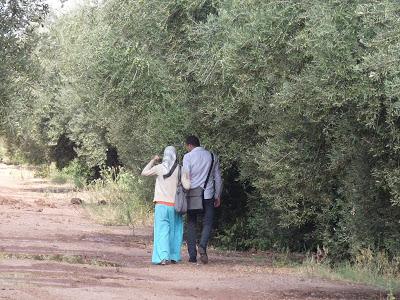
[(300, 100), (303, 96), (18, 19), (350, 123), (329, 164), (109, 80)]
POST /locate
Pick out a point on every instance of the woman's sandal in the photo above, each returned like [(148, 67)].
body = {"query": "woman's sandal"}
[(164, 262)]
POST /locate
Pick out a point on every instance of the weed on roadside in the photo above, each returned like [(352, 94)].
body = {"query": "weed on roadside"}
[(119, 198), (368, 268), (3, 150), (70, 259), (74, 173)]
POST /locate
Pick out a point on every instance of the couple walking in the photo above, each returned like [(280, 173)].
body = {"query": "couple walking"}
[(200, 172)]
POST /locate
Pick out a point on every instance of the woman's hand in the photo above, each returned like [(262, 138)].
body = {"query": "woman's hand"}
[(156, 158)]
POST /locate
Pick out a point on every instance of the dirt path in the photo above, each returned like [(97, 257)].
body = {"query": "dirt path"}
[(49, 249)]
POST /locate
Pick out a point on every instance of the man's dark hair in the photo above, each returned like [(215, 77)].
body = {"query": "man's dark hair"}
[(193, 140)]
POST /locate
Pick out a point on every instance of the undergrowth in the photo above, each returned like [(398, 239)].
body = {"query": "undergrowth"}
[(119, 198), (73, 173), (3, 150), (368, 267), (70, 259)]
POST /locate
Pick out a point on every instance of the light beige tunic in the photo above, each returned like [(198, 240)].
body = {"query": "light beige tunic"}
[(165, 189)]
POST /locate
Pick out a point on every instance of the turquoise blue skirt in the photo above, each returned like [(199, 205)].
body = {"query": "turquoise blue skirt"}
[(168, 234)]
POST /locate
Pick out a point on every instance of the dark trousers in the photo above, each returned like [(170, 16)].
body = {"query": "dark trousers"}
[(208, 218)]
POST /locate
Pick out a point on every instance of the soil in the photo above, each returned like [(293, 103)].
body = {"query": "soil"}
[(51, 249)]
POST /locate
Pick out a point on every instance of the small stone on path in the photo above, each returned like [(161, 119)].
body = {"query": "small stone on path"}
[(76, 201)]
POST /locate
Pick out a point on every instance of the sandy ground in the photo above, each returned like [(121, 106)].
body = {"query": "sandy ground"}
[(50, 249)]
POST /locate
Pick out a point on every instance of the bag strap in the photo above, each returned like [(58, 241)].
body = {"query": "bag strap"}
[(172, 170), (179, 175), (209, 171)]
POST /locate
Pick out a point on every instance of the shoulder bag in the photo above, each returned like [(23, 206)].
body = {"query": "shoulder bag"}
[(196, 196), (180, 196)]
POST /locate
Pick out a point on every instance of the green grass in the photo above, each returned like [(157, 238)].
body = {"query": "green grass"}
[(14, 158), (61, 179), (286, 259), (70, 259), (3, 150), (73, 173), (353, 273), (51, 172), (125, 196)]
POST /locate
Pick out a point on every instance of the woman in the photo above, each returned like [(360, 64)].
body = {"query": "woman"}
[(168, 225)]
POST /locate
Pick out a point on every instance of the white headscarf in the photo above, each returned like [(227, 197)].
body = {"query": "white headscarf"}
[(169, 158)]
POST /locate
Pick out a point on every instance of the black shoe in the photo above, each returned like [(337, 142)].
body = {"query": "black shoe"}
[(192, 260), (203, 255), (173, 261)]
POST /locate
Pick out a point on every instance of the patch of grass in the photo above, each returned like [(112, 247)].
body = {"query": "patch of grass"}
[(286, 259), (11, 157), (124, 197), (50, 171), (60, 178), (42, 171), (3, 150), (354, 273), (77, 171), (73, 173), (70, 259)]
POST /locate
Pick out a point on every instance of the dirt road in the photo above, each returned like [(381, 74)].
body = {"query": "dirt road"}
[(50, 249)]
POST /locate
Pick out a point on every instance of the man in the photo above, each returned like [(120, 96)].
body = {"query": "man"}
[(197, 162)]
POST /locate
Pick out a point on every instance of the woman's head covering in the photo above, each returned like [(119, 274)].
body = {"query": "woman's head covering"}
[(169, 158)]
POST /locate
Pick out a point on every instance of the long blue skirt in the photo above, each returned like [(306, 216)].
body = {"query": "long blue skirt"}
[(168, 234)]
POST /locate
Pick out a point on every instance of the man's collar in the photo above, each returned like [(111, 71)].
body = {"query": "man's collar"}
[(197, 149)]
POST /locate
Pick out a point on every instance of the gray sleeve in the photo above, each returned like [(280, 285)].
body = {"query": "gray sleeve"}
[(217, 178)]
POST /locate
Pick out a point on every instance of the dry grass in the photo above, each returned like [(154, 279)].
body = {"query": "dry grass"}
[(70, 259), (356, 273), (118, 199)]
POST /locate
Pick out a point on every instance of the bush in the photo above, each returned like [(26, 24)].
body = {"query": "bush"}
[(78, 172), (119, 198), (369, 267)]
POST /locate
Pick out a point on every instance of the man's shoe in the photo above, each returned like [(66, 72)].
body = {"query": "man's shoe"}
[(203, 255), (192, 260)]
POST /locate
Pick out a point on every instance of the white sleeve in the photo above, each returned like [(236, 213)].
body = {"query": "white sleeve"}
[(186, 164), (151, 170), (185, 179)]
